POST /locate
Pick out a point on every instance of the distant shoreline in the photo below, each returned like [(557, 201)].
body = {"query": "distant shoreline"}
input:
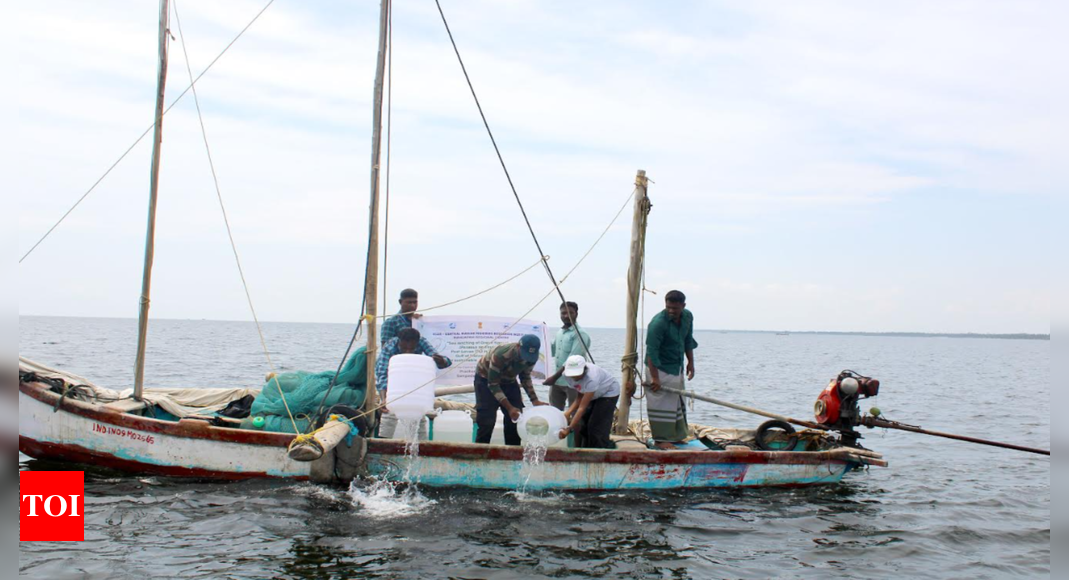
[(1005, 336)]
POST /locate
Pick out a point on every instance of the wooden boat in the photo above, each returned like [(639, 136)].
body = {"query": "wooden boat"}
[(58, 428), (54, 424)]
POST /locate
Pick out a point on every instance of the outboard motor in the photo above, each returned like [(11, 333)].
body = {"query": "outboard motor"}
[(837, 406)]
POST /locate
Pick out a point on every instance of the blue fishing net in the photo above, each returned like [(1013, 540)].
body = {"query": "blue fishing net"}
[(304, 394)]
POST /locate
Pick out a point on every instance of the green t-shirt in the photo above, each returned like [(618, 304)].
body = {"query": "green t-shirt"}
[(667, 342)]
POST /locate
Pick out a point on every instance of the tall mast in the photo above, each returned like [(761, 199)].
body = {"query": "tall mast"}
[(150, 238), (630, 361), (370, 289)]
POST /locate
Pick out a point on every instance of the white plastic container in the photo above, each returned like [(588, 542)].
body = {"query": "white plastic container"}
[(453, 426), (410, 395), (541, 425), (498, 436)]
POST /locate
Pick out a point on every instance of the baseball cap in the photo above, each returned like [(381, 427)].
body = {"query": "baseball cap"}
[(574, 366), (529, 345)]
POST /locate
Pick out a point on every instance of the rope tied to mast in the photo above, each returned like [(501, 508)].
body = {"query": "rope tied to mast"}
[(508, 177), (226, 220), (370, 318)]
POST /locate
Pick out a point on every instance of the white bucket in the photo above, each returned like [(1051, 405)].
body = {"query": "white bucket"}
[(453, 426), (541, 424), (410, 381)]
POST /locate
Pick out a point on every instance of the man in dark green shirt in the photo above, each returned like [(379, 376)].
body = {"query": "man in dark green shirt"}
[(669, 339)]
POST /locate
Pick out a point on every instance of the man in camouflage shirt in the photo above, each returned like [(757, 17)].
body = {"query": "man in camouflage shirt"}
[(498, 377)]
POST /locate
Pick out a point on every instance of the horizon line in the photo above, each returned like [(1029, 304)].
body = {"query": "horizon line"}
[(905, 333)]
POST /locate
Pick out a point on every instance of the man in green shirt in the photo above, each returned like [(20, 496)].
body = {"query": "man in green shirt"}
[(669, 338), (570, 341)]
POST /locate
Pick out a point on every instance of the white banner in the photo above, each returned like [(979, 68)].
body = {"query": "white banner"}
[(465, 339)]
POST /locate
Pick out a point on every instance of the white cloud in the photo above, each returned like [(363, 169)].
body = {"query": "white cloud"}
[(757, 122)]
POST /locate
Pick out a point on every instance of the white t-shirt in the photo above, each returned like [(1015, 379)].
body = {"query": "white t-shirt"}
[(597, 381)]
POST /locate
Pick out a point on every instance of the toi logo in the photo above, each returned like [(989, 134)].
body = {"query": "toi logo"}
[(51, 506)]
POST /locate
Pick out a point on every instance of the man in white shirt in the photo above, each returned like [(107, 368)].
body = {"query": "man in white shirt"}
[(591, 415)]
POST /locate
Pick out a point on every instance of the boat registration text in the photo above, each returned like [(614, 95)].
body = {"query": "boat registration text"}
[(123, 433)]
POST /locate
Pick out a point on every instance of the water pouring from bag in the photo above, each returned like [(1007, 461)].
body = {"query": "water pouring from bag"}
[(537, 427), (541, 425)]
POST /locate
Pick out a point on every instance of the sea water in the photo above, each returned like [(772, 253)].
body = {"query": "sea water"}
[(378, 498), (943, 509)]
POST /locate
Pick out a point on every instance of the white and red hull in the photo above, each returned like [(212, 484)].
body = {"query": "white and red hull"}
[(91, 434)]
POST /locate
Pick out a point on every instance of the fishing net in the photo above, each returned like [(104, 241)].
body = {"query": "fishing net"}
[(304, 393)]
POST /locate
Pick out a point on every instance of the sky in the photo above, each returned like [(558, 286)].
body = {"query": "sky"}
[(817, 165)]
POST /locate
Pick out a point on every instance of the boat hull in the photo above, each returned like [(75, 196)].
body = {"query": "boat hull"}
[(90, 434), (93, 435), (499, 467)]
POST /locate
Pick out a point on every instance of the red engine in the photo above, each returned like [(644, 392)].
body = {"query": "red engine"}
[(837, 404), (827, 406)]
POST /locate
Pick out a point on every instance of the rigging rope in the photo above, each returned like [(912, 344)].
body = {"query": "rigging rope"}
[(490, 343), (466, 298), (502, 333), (226, 219), (508, 177), (147, 131)]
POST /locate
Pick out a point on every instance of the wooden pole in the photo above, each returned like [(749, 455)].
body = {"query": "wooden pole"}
[(875, 422), (746, 409), (630, 362), (458, 390), (370, 290), (154, 182), (867, 422)]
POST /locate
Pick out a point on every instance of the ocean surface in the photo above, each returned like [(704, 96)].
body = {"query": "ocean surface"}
[(943, 509)]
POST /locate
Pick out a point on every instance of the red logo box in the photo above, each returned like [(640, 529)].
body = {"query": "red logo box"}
[(51, 506)]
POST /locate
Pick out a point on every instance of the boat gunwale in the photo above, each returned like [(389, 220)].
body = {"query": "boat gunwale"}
[(189, 428), (195, 429)]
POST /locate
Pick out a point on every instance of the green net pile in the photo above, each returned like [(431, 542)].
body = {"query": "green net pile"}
[(304, 393)]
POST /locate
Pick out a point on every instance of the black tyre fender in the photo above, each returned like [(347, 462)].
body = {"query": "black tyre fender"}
[(763, 433)]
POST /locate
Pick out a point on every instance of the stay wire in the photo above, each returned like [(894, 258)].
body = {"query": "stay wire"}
[(226, 219), (147, 131), (504, 168)]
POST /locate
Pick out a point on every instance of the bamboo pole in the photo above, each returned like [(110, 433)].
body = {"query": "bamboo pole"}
[(371, 401), (458, 390), (875, 422), (867, 422), (746, 409), (154, 182), (630, 360)]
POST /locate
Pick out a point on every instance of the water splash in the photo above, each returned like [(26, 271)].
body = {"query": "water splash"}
[(317, 492), (390, 499), (408, 430), (386, 499), (547, 498), (534, 458)]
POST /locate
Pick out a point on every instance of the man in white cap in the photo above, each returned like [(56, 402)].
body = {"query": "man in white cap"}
[(590, 417)]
